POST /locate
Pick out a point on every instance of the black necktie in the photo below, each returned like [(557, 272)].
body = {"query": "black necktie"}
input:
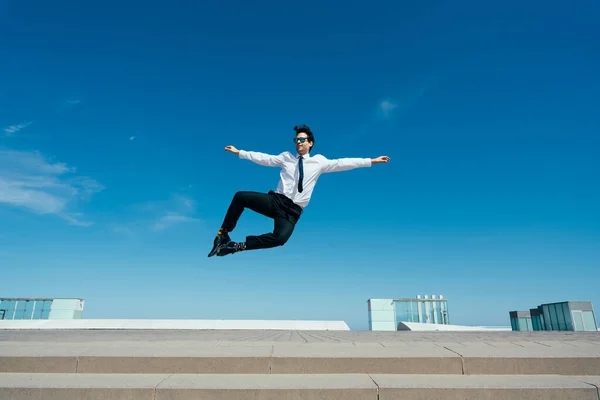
[(301, 167)]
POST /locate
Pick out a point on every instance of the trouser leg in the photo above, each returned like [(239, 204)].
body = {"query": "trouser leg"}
[(283, 229), (259, 202)]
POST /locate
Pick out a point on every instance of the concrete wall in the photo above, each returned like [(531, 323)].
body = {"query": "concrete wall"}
[(423, 327), (180, 324)]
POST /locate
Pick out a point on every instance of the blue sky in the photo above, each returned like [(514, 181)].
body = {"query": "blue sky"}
[(113, 178)]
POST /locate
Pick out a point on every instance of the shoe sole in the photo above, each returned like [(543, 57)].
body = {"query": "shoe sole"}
[(224, 254), (216, 249), (219, 254)]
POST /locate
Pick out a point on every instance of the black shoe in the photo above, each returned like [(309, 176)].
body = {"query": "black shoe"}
[(229, 248), (220, 240)]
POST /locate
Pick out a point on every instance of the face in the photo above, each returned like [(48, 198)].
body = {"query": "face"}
[(302, 144)]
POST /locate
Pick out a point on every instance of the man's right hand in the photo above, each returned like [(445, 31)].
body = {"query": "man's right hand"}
[(232, 149)]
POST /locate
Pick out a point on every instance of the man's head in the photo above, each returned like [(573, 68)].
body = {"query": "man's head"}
[(304, 139)]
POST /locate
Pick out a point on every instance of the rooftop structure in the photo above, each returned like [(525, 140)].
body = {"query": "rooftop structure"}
[(24, 308), (562, 316), (389, 314)]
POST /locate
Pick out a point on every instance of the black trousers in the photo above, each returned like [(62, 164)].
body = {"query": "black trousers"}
[(281, 209)]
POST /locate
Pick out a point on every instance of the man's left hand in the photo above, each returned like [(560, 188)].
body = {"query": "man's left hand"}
[(380, 159)]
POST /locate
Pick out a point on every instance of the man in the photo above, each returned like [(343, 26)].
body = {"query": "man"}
[(298, 175)]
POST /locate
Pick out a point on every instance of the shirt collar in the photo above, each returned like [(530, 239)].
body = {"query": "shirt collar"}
[(307, 155)]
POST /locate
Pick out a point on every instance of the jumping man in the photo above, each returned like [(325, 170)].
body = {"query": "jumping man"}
[(298, 175)]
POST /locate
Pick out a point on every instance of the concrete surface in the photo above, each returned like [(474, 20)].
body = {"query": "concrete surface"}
[(292, 352), (77, 387), (240, 387), (293, 364), (189, 387), (184, 387), (483, 387), (272, 336), (333, 358)]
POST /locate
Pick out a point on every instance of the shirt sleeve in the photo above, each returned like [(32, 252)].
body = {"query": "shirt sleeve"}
[(266, 160), (343, 164)]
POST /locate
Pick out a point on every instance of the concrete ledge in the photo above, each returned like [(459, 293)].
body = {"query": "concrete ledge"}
[(172, 365), (267, 387), (532, 366), (233, 358), (77, 386), (295, 358), (528, 358), (517, 339), (290, 387), (38, 364), (185, 387), (175, 324), (428, 387), (336, 359)]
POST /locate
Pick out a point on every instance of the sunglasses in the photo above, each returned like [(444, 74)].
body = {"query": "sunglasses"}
[(301, 140)]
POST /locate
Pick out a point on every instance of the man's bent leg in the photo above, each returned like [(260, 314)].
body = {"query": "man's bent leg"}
[(280, 235), (259, 202)]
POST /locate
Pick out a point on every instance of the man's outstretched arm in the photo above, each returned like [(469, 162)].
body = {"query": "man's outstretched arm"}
[(266, 160), (345, 164)]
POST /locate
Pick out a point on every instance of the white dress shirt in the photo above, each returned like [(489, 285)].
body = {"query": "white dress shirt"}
[(313, 167)]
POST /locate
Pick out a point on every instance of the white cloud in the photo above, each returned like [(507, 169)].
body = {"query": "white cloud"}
[(186, 203), (179, 209), (64, 105), (171, 218), (73, 219), (158, 216), (386, 107), (11, 130), (403, 102), (132, 138), (31, 182)]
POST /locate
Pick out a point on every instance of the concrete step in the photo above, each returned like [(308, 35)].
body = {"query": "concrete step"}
[(290, 387), (176, 332), (224, 357)]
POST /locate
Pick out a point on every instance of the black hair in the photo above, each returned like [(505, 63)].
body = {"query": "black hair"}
[(306, 129)]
